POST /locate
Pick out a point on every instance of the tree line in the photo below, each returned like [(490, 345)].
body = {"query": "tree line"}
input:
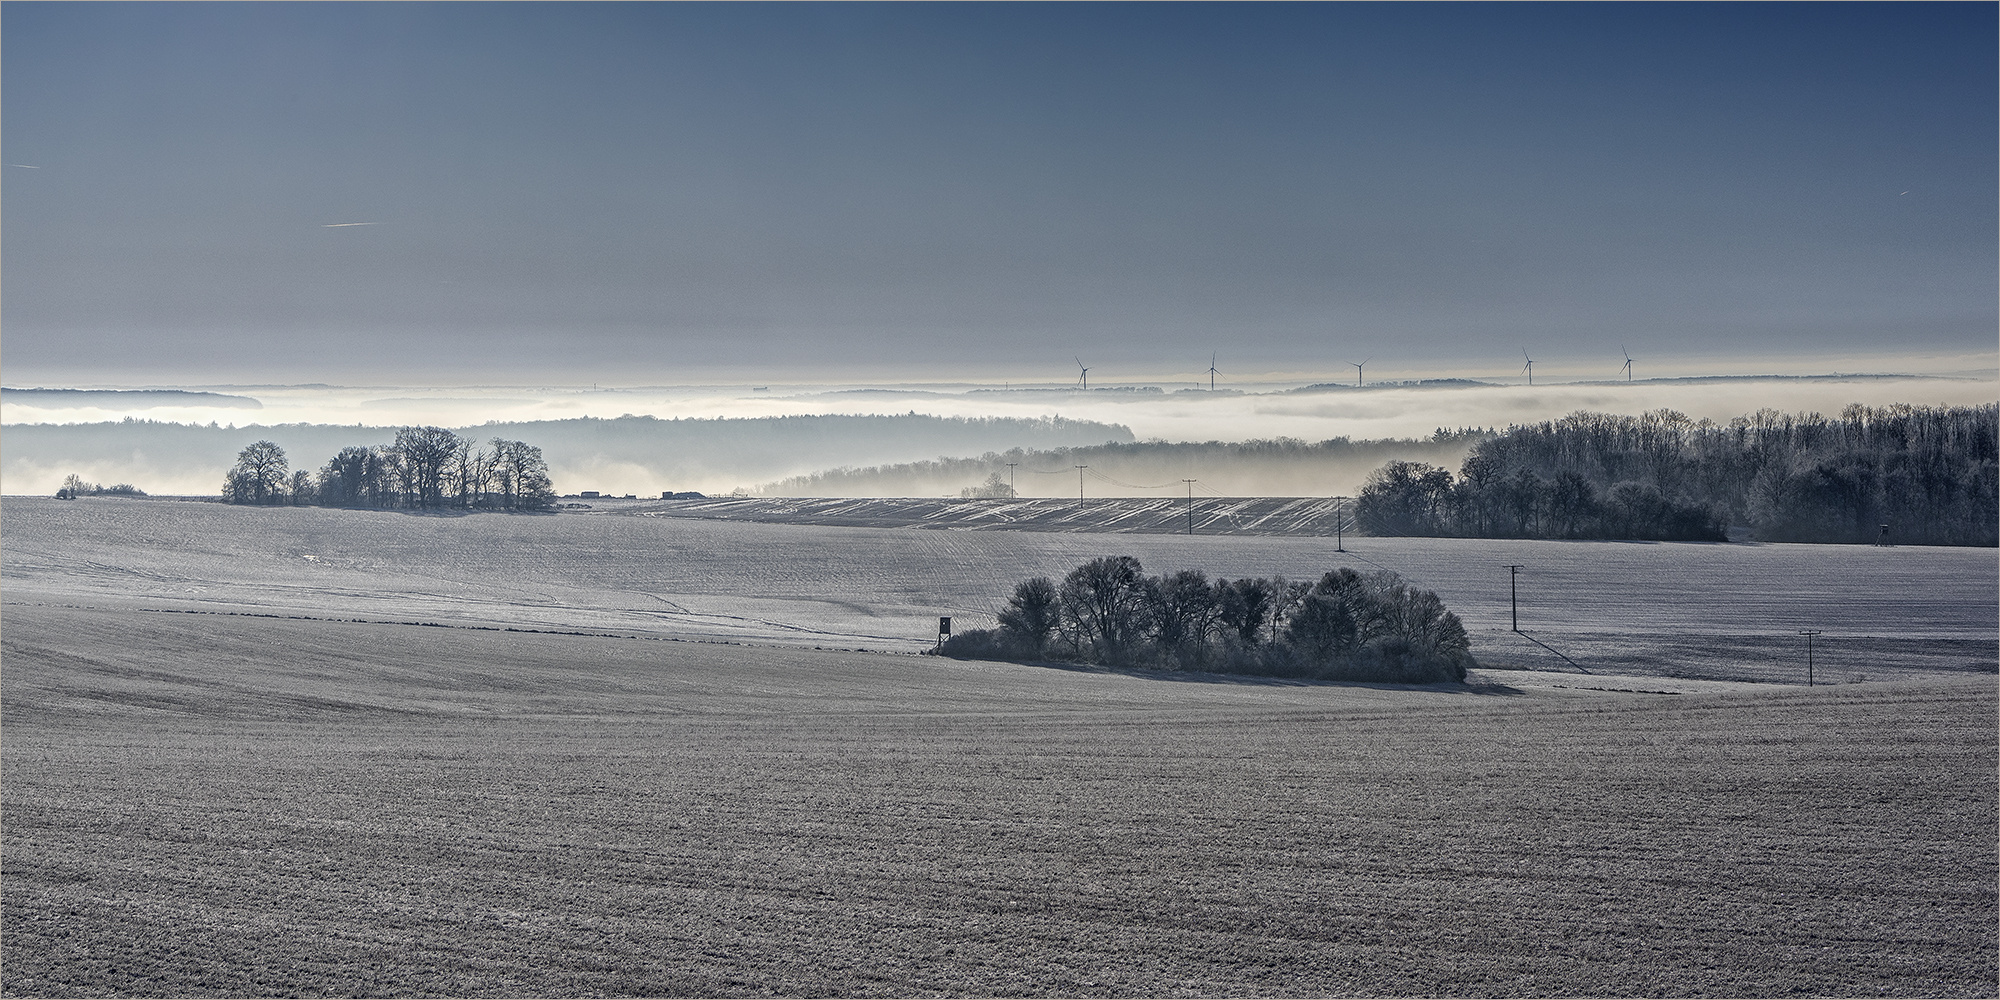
[(1929, 474), (424, 468), (1261, 467), (1345, 626)]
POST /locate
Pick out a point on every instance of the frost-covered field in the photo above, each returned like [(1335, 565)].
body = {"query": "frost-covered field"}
[(1719, 611), (204, 805), (236, 764)]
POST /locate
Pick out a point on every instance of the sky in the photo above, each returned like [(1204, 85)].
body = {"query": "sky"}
[(666, 194)]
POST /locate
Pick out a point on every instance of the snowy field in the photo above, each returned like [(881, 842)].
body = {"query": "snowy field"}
[(1714, 611), (296, 752), (201, 805)]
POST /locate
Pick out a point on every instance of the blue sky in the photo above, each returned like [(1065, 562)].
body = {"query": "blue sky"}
[(634, 192)]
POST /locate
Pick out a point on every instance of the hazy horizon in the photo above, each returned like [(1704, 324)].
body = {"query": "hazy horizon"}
[(583, 461), (440, 194)]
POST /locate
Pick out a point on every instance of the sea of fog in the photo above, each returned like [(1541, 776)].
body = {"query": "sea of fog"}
[(1160, 411)]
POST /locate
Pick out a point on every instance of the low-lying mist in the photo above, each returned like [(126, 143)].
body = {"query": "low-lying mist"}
[(715, 439), (1239, 412), (638, 455), (1283, 467)]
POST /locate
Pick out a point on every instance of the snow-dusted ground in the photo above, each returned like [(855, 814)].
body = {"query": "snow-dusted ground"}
[(217, 783), (1714, 611), (1115, 515)]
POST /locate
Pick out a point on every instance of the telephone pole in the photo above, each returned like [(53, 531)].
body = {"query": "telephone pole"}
[(1010, 477), (1079, 485), (1809, 633), (1190, 504), (1514, 594), (1340, 523)]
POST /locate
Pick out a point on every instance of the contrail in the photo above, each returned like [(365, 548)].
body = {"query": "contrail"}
[(30, 166), (337, 225)]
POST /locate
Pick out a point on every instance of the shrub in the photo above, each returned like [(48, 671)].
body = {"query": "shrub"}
[(1347, 626), (979, 644)]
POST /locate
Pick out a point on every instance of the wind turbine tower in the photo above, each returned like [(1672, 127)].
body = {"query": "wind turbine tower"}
[(1357, 372), (1083, 375), (1529, 367), (1628, 362), (1211, 373)]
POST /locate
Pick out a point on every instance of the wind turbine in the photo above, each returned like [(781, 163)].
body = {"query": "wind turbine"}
[(1357, 372), (1529, 367), (1211, 373), (1628, 362), (1083, 376)]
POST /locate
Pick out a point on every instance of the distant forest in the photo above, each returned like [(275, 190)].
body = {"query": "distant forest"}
[(1345, 626), (425, 468), (123, 399), (1896, 474), (1271, 467)]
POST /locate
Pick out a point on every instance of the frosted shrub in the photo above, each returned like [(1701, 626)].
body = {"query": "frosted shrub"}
[(1347, 626)]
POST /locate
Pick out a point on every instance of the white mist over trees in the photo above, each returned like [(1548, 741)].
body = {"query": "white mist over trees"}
[(1261, 467), (629, 454), (1902, 474)]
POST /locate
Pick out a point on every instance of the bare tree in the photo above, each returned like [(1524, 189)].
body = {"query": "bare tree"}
[(1244, 606), (1334, 619), (426, 453), (259, 476), (1031, 615), (1185, 613), (466, 472), (74, 486), (1103, 604), (521, 476)]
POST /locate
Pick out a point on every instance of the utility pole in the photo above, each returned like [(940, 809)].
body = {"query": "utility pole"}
[(1340, 523), (1190, 504), (1809, 633), (1010, 477), (1079, 485), (1514, 594)]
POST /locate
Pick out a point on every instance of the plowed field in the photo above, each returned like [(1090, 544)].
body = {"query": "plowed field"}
[(232, 770)]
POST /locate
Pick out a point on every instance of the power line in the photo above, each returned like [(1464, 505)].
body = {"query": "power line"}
[(1130, 486)]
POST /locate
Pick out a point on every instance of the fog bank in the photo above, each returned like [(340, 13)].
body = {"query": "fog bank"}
[(645, 439), (640, 455)]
